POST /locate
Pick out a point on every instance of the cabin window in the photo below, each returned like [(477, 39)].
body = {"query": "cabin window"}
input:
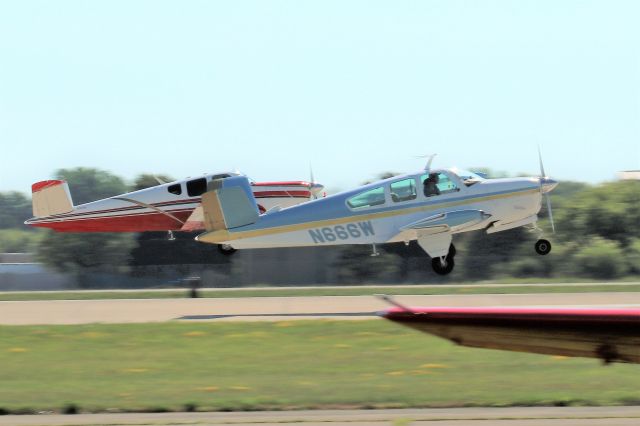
[(437, 183), (175, 189), (197, 187), (370, 198), (403, 190)]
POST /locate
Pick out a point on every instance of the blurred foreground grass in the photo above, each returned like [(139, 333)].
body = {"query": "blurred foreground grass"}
[(283, 365), (512, 288)]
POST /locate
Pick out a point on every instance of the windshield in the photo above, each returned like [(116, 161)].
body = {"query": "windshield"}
[(467, 174)]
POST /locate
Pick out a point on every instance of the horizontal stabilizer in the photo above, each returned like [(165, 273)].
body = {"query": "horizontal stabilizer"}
[(51, 197)]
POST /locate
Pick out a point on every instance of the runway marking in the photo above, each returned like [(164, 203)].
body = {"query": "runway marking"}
[(298, 315)]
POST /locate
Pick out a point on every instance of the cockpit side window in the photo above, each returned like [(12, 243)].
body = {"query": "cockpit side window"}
[(403, 190), (370, 198), (175, 189), (196, 187), (437, 184)]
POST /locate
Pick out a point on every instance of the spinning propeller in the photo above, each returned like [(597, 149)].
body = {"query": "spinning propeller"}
[(314, 187), (546, 185)]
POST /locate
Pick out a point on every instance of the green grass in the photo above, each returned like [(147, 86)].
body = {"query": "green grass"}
[(318, 291), (284, 365)]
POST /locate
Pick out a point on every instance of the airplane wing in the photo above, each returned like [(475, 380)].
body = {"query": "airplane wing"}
[(434, 232), (612, 335)]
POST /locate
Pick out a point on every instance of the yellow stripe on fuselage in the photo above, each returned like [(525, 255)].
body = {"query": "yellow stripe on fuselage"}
[(224, 235)]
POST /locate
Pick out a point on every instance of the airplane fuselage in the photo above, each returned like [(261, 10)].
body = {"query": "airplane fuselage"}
[(340, 219), (167, 207)]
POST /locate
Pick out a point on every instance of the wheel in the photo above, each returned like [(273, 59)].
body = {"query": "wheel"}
[(226, 249), (452, 250), (441, 269), (543, 247)]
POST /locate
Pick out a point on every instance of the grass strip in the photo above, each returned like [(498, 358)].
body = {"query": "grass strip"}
[(282, 365)]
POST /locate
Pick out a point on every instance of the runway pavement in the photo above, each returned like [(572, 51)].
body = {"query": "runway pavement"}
[(513, 416), (272, 308)]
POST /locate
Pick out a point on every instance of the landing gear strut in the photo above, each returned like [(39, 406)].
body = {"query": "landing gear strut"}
[(443, 265), (543, 247), (226, 249)]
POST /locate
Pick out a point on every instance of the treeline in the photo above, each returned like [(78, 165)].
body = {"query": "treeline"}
[(598, 237)]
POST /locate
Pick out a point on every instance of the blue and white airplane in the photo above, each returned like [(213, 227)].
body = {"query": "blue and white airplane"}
[(428, 206)]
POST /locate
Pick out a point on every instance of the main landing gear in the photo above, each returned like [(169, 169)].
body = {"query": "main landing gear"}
[(443, 265), (543, 247), (226, 249)]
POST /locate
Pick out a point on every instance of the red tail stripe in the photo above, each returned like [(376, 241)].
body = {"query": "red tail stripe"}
[(39, 186)]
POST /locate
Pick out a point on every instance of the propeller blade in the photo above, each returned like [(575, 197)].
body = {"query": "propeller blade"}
[(546, 186), (314, 187), (160, 181), (550, 212), (542, 173)]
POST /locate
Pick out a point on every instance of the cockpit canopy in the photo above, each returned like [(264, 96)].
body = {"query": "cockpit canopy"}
[(467, 176), (408, 188)]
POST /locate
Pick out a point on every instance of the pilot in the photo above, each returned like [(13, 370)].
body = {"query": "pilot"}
[(431, 185)]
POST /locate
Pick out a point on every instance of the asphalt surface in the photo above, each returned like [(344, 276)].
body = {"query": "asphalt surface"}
[(273, 308), (513, 416)]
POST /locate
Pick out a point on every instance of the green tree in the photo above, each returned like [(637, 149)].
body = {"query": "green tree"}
[(19, 240), (148, 180), (356, 265), (488, 255), (83, 254), (608, 211), (489, 173), (15, 208), (381, 176), (633, 256), (88, 184), (601, 258)]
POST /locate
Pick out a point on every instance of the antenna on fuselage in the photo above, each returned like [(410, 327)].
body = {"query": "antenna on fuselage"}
[(429, 158)]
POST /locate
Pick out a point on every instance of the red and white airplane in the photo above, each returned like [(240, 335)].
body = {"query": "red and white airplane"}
[(610, 334), (174, 206)]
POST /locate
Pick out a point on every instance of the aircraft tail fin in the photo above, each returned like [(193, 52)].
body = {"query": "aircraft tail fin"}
[(51, 197), (228, 204)]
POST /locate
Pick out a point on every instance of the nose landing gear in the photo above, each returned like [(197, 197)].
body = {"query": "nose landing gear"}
[(543, 247)]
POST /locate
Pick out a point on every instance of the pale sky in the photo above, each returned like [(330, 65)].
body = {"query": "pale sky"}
[(353, 87)]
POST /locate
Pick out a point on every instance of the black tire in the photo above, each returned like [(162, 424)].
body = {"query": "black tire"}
[(226, 250), (452, 250), (543, 247), (439, 269)]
